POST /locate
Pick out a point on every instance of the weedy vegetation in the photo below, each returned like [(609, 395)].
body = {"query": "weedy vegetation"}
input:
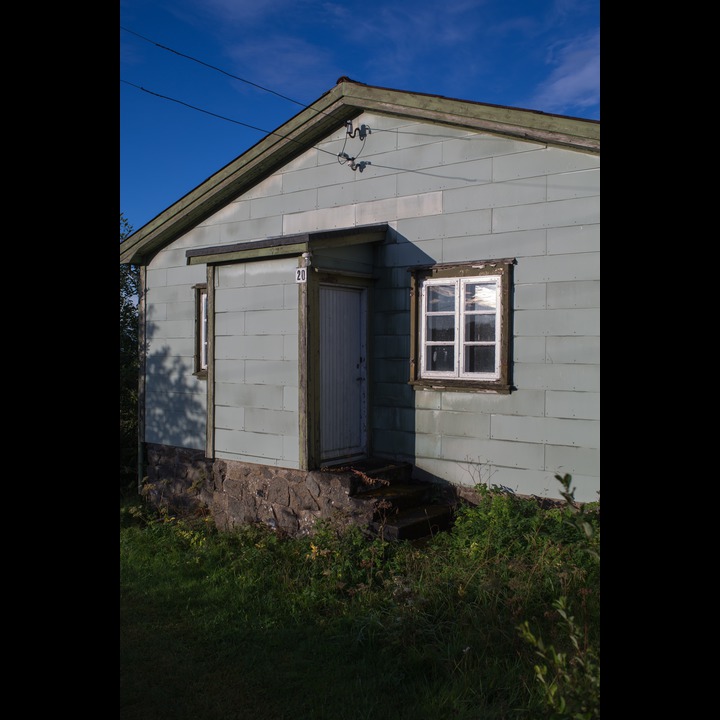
[(497, 619)]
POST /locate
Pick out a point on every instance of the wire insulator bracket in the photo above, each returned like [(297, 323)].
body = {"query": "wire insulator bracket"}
[(362, 131)]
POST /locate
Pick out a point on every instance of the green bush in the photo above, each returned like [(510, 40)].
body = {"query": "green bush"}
[(569, 670), (497, 618), (570, 680)]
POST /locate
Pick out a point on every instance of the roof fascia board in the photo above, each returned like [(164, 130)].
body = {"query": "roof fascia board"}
[(344, 102), (530, 125), (294, 137)]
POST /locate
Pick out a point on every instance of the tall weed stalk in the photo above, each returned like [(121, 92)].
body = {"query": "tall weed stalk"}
[(570, 678)]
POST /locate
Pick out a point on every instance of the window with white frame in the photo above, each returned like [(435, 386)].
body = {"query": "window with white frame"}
[(463, 329), (201, 330)]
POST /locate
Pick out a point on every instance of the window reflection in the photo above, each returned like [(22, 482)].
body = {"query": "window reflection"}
[(479, 358), (441, 298), (441, 358), (441, 327), (479, 328), (480, 296)]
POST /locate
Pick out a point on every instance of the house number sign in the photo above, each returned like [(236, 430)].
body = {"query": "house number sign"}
[(301, 275)]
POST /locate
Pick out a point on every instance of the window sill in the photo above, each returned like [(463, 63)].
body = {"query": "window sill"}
[(462, 386), (201, 374)]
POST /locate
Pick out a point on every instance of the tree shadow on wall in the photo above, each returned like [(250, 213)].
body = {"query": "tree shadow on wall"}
[(175, 408), (175, 417)]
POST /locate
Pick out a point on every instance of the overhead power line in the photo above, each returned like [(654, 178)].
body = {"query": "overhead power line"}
[(213, 67), (342, 157), (224, 72), (248, 82), (221, 117)]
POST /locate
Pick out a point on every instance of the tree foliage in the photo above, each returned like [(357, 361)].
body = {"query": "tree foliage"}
[(129, 365)]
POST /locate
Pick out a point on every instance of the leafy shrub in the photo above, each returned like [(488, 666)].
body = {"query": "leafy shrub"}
[(570, 675), (347, 557), (498, 618), (570, 680)]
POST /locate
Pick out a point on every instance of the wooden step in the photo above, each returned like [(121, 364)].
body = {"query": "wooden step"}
[(414, 522), (395, 494), (394, 472), (401, 508), (364, 475)]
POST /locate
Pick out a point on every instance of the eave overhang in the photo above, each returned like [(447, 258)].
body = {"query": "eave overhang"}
[(345, 101), (287, 245)]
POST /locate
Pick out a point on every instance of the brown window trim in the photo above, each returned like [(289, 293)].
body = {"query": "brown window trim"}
[(200, 289), (502, 267)]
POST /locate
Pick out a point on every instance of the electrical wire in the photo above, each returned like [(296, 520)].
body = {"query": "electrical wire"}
[(248, 82), (235, 77), (222, 117), (342, 157), (213, 67)]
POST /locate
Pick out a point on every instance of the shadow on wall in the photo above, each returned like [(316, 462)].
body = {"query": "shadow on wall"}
[(175, 411), (393, 414), (178, 476)]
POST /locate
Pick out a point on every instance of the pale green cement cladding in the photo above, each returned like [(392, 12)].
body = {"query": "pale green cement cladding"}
[(256, 312), (448, 195)]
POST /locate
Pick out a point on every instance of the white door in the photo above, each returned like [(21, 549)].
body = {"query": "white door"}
[(343, 373)]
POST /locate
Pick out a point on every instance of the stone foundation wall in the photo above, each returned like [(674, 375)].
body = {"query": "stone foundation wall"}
[(236, 493), (178, 479)]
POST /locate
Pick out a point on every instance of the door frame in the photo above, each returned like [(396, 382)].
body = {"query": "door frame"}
[(309, 360)]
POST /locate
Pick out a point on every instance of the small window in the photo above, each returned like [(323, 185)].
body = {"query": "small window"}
[(201, 330), (462, 326)]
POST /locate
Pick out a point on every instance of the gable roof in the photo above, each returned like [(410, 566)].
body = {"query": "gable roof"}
[(345, 101)]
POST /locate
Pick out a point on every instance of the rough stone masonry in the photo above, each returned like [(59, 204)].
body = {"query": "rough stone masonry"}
[(237, 493)]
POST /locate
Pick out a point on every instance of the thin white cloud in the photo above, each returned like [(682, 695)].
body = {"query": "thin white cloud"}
[(245, 11), (399, 43), (574, 84), (292, 66), (464, 48)]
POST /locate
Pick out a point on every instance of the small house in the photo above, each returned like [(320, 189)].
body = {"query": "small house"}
[(389, 277)]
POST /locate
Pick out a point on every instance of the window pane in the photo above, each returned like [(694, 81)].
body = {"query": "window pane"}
[(440, 358), (480, 296), (480, 358), (479, 328), (441, 328), (440, 298), (201, 341)]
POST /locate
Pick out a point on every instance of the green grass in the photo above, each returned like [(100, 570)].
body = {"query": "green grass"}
[(341, 626)]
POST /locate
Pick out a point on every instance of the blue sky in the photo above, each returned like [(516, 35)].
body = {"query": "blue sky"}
[(284, 54)]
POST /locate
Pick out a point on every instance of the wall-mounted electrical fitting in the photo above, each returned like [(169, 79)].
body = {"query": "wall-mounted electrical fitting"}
[(344, 158), (362, 131)]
